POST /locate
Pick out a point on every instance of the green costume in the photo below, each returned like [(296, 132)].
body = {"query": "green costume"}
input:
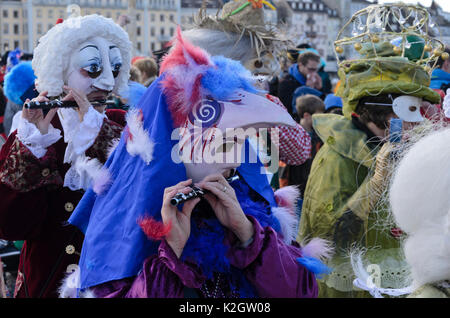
[(339, 182)]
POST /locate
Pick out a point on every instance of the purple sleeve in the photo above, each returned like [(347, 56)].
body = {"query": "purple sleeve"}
[(162, 276), (271, 266)]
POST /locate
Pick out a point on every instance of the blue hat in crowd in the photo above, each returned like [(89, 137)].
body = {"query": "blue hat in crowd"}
[(332, 101)]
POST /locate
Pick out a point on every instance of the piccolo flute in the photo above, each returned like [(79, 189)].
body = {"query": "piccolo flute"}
[(195, 193), (63, 104)]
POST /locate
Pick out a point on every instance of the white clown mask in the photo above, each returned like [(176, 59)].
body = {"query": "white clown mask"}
[(213, 135), (94, 68)]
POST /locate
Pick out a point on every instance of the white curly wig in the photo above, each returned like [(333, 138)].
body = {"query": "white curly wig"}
[(50, 59)]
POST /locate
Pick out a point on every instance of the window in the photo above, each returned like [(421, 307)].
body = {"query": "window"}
[(153, 46), (39, 13), (50, 26), (152, 31), (16, 29), (5, 13), (5, 28), (138, 31), (138, 17), (172, 31), (171, 18), (152, 17), (39, 28), (50, 14), (139, 46), (162, 31), (16, 14), (161, 17), (16, 44)]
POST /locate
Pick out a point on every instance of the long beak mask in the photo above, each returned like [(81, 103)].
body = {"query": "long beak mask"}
[(219, 107)]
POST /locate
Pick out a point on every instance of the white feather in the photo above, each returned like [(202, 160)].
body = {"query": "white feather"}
[(70, 284), (140, 143), (112, 146), (288, 222)]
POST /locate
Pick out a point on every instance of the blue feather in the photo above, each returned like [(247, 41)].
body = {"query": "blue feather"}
[(315, 266), (227, 77), (18, 81)]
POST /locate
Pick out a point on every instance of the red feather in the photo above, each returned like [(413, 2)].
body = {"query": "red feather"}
[(154, 230), (186, 54), (177, 55)]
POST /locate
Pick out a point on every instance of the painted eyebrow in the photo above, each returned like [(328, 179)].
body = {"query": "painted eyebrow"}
[(89, 46), (113, 47)]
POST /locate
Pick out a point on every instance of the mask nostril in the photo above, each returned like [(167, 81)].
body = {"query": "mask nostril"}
[(412, 108)]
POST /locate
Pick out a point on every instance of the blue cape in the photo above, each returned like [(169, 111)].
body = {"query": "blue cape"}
[(114, 246)]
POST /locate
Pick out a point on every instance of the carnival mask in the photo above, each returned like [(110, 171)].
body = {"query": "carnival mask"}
[(266, 65), (94, 68), (213, 136)]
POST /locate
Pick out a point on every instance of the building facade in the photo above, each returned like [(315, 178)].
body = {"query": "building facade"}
[(151, 23)]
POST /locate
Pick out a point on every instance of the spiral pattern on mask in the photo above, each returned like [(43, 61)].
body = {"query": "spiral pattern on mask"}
[(207, 112)]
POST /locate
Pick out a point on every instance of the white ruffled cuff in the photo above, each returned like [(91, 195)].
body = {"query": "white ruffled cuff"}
[(87, 131), (31, 137)]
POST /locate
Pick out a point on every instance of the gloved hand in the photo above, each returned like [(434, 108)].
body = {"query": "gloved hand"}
[(348, 229)]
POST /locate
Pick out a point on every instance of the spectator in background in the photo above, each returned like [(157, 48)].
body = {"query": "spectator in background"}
[(303, 73), (149, 70), (135, 90), (440, 78), (333, 104), (326, 82)]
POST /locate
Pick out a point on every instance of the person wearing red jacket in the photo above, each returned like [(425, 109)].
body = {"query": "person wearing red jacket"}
[(52, 158)]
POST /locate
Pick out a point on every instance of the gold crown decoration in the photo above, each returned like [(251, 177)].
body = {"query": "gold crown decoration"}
[(389, 30), (245, 18)]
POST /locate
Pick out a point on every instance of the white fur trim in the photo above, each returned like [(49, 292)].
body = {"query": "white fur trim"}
[(318, 248), (112, 146), (140, 143), (287, 197), (70, 284), (50, 59), (288, 222), (421, 204)]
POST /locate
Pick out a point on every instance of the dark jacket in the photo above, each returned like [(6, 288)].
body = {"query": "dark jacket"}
[(35, 207)]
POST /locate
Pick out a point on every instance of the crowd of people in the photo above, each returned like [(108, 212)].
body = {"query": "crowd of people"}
[(88, 186)]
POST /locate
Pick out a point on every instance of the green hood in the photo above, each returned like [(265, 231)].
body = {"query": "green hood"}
[(344, 138)]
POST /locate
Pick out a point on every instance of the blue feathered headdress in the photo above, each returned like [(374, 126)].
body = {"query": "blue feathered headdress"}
[(19, 83)]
